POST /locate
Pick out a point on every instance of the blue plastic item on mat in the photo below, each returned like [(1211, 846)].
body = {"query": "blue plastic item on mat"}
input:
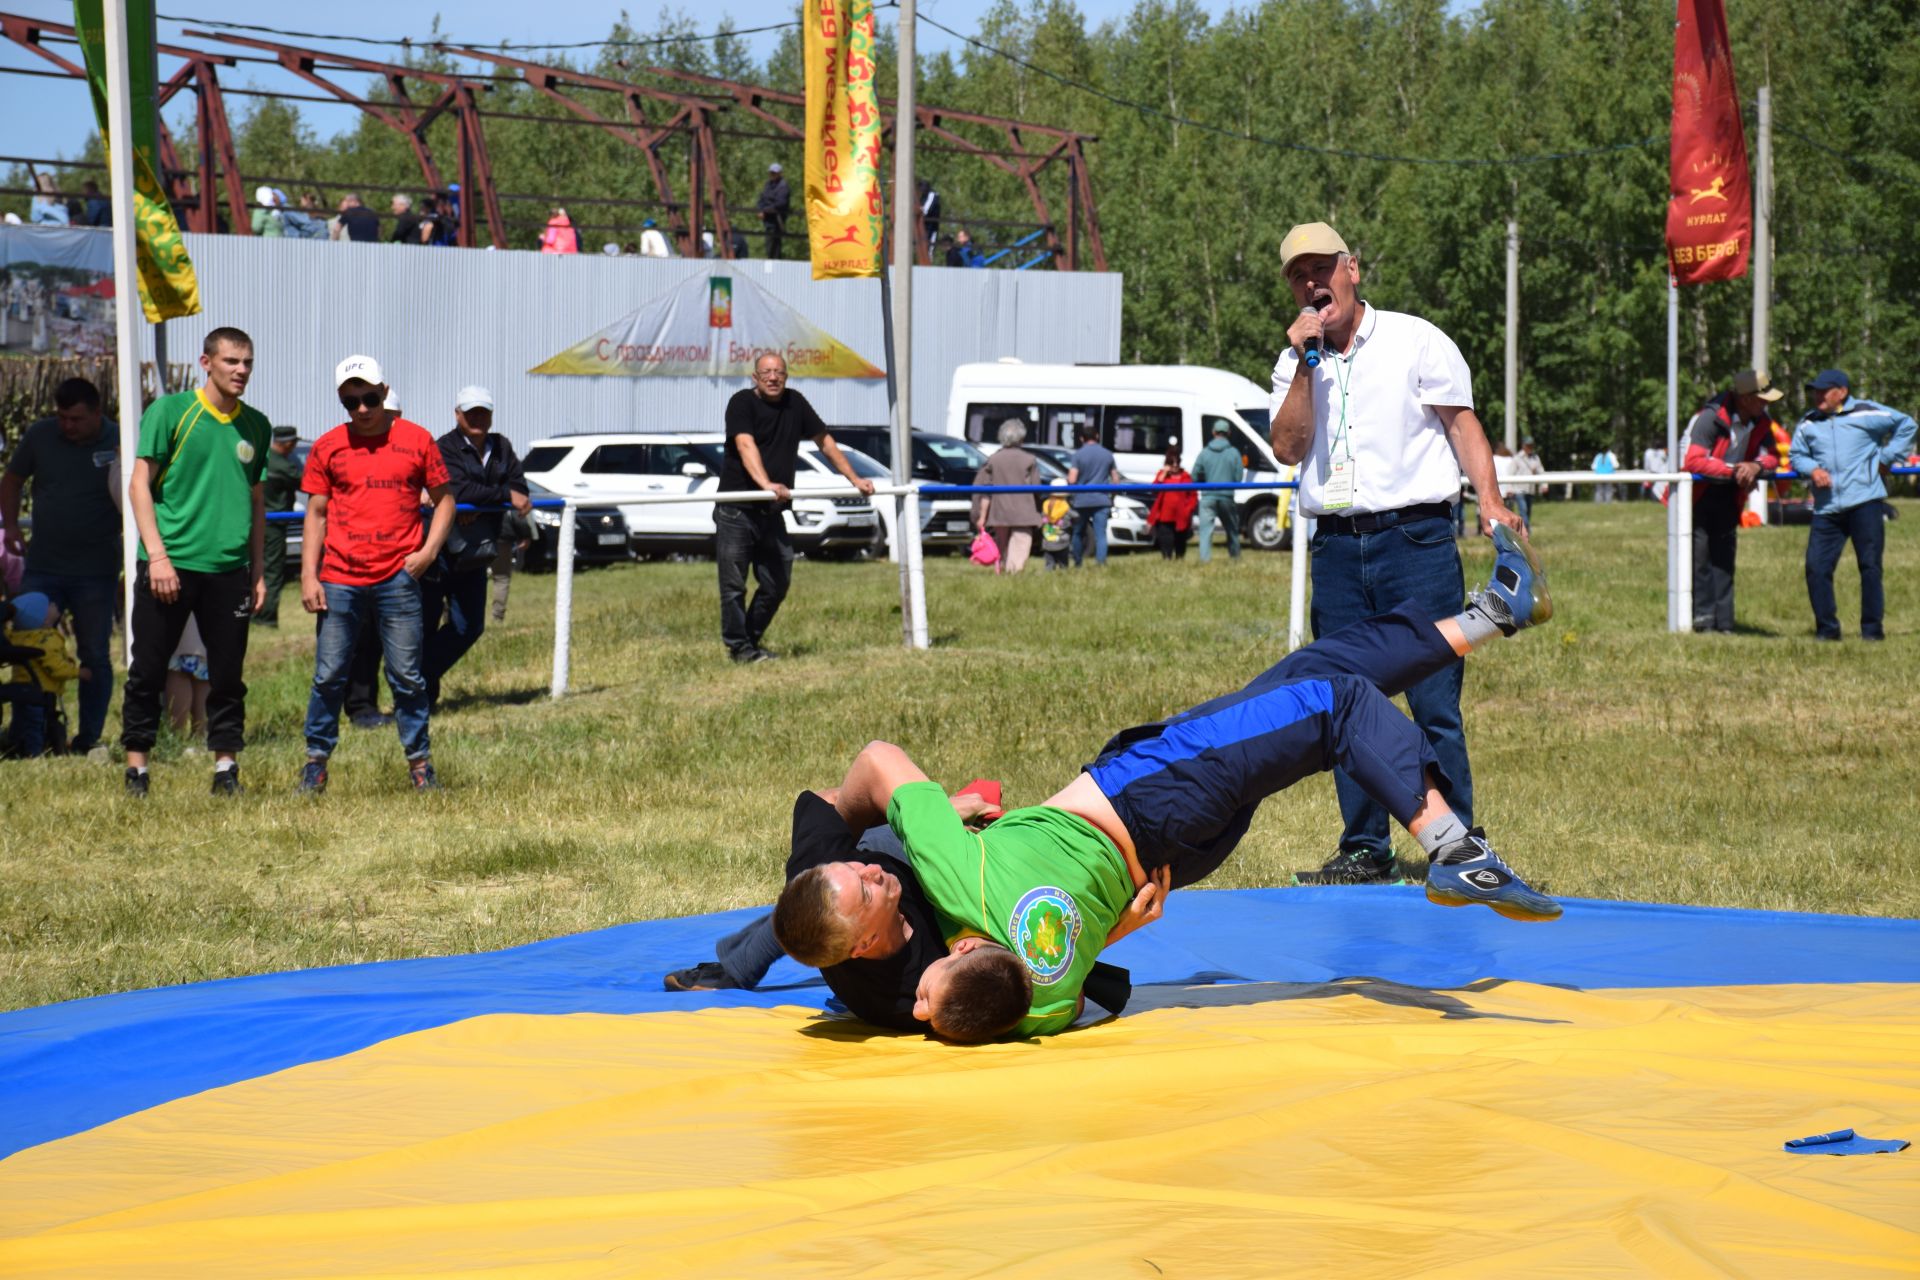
[(1844, 1142)]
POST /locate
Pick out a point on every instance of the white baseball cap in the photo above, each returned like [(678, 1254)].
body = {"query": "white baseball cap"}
[(392, 403), (365, 368), (474, 398)]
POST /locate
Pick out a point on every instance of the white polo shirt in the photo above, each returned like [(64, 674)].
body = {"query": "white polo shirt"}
[(1400, 368)]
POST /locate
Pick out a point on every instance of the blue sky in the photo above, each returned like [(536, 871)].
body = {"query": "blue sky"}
[(42, 118)]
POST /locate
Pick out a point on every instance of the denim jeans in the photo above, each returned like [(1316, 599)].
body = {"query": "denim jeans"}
[(753, 535), (1521, 504), (464, 598), (395, 607), (1090, 520), (1223, 510), (1866, 524), (1358, 575), (91, 601)]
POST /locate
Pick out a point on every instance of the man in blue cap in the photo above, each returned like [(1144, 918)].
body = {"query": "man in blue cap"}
[(1841, 445)]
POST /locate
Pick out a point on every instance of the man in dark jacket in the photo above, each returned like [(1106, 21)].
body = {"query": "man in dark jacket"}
[(484, 472), (1728, 445), (776, 201)]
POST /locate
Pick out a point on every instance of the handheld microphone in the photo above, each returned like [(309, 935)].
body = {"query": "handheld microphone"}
[(1311, 347)]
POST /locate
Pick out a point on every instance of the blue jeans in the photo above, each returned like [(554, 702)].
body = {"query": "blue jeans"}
[(1094, 520), (91, 601), (1866, 524), (464, 597), (1521, 504), (1223, 510), (1358, 575), (395, 607)]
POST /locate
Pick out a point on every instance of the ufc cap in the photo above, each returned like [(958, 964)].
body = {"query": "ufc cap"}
[(365, 368)]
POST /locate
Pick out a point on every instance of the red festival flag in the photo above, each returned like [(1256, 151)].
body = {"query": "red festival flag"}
[(1710, 217)]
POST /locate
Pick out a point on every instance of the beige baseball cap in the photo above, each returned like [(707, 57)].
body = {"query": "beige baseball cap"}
[(1310, 237), (1750, 382)]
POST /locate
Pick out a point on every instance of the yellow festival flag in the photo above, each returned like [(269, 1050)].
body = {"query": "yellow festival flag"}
[(845, 210), (168, 286)]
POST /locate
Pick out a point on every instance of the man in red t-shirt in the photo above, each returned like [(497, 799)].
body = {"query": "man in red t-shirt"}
[(364, 556)]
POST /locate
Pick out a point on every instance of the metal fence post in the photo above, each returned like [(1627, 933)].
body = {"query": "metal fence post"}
[(1297, 594), (1683, 556), (563, 601)]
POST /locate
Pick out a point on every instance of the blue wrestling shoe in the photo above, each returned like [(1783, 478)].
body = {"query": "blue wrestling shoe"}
[(1516, 595), (1468, 873)]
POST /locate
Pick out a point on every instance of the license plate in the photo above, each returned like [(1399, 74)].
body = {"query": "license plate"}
[(860, 522), (958, 526), (612, 539)]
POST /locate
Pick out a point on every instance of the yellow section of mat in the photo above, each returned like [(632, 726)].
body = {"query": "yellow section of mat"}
[(1359, 1129)]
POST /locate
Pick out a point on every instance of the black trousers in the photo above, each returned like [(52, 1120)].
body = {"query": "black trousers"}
[(221, 603), (750, 535), (1716, 543), (776, 225)]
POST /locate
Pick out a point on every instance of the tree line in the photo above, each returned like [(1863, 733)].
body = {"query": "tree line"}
[(1416, 131)]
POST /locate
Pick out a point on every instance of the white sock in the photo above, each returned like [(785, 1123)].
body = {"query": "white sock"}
[(1441, 832), (222, 766)]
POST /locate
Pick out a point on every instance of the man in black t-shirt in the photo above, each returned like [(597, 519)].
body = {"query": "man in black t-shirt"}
[(765, 425), (877, 988)]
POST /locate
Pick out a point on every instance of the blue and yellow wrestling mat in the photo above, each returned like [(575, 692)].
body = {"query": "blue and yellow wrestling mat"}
[(1603, 1096)]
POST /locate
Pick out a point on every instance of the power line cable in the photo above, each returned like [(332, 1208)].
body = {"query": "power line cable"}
[(1280, 144), (1845, 157)]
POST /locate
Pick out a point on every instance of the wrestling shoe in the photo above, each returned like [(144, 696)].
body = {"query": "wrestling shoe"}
[(313, 777), (709, 975), (226, 782), (422, 774), (1353, 866), (1468, 872), (1516, 594)]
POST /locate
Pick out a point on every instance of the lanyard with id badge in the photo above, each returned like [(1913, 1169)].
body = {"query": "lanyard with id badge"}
[(1337, 493)]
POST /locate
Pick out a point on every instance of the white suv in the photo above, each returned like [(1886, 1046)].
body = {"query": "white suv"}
[(629, 464)]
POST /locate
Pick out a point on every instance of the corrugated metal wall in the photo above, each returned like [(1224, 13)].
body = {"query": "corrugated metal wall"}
[(440, 319)]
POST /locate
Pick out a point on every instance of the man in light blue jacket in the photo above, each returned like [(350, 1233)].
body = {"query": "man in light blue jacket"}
[(1840, 445)]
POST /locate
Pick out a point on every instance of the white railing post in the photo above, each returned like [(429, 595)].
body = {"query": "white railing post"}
[(914, 567), (563, 601), (1297, 592), (1683, 556)]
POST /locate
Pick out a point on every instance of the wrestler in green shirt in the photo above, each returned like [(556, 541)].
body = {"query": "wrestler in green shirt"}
[(1042, 882)]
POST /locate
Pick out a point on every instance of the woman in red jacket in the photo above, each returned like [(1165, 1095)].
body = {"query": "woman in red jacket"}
[(1171, 516)]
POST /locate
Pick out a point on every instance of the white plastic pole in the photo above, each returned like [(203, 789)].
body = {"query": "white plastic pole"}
[(1678, 618), (1763, 234), (563, 601), (1513, 336), (126, 278), (1683, 505), (1297, 592), (913, 581)]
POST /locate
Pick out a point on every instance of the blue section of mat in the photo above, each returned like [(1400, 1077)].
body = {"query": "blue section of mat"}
[(67, 1067)]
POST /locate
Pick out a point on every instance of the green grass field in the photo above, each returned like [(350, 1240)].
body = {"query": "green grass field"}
[(1611, 759)]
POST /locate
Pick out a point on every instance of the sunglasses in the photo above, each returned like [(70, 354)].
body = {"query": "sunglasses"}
[(371, 400)]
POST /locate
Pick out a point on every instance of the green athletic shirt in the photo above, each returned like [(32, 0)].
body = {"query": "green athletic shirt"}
[(1041, 882), (206, 464)]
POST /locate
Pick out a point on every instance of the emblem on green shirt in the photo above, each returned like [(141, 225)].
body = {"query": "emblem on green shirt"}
[(1044, 928)]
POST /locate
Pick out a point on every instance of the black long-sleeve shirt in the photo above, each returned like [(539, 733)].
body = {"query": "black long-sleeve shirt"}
[(483, 482)]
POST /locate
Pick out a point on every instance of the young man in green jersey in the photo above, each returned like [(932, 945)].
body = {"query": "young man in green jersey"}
[(1041, 892), (196, 499)]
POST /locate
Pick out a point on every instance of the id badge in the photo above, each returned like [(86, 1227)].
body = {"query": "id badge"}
[(1337, 494)]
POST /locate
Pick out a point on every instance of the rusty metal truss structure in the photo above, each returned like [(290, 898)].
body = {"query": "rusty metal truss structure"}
[(654, 117)]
